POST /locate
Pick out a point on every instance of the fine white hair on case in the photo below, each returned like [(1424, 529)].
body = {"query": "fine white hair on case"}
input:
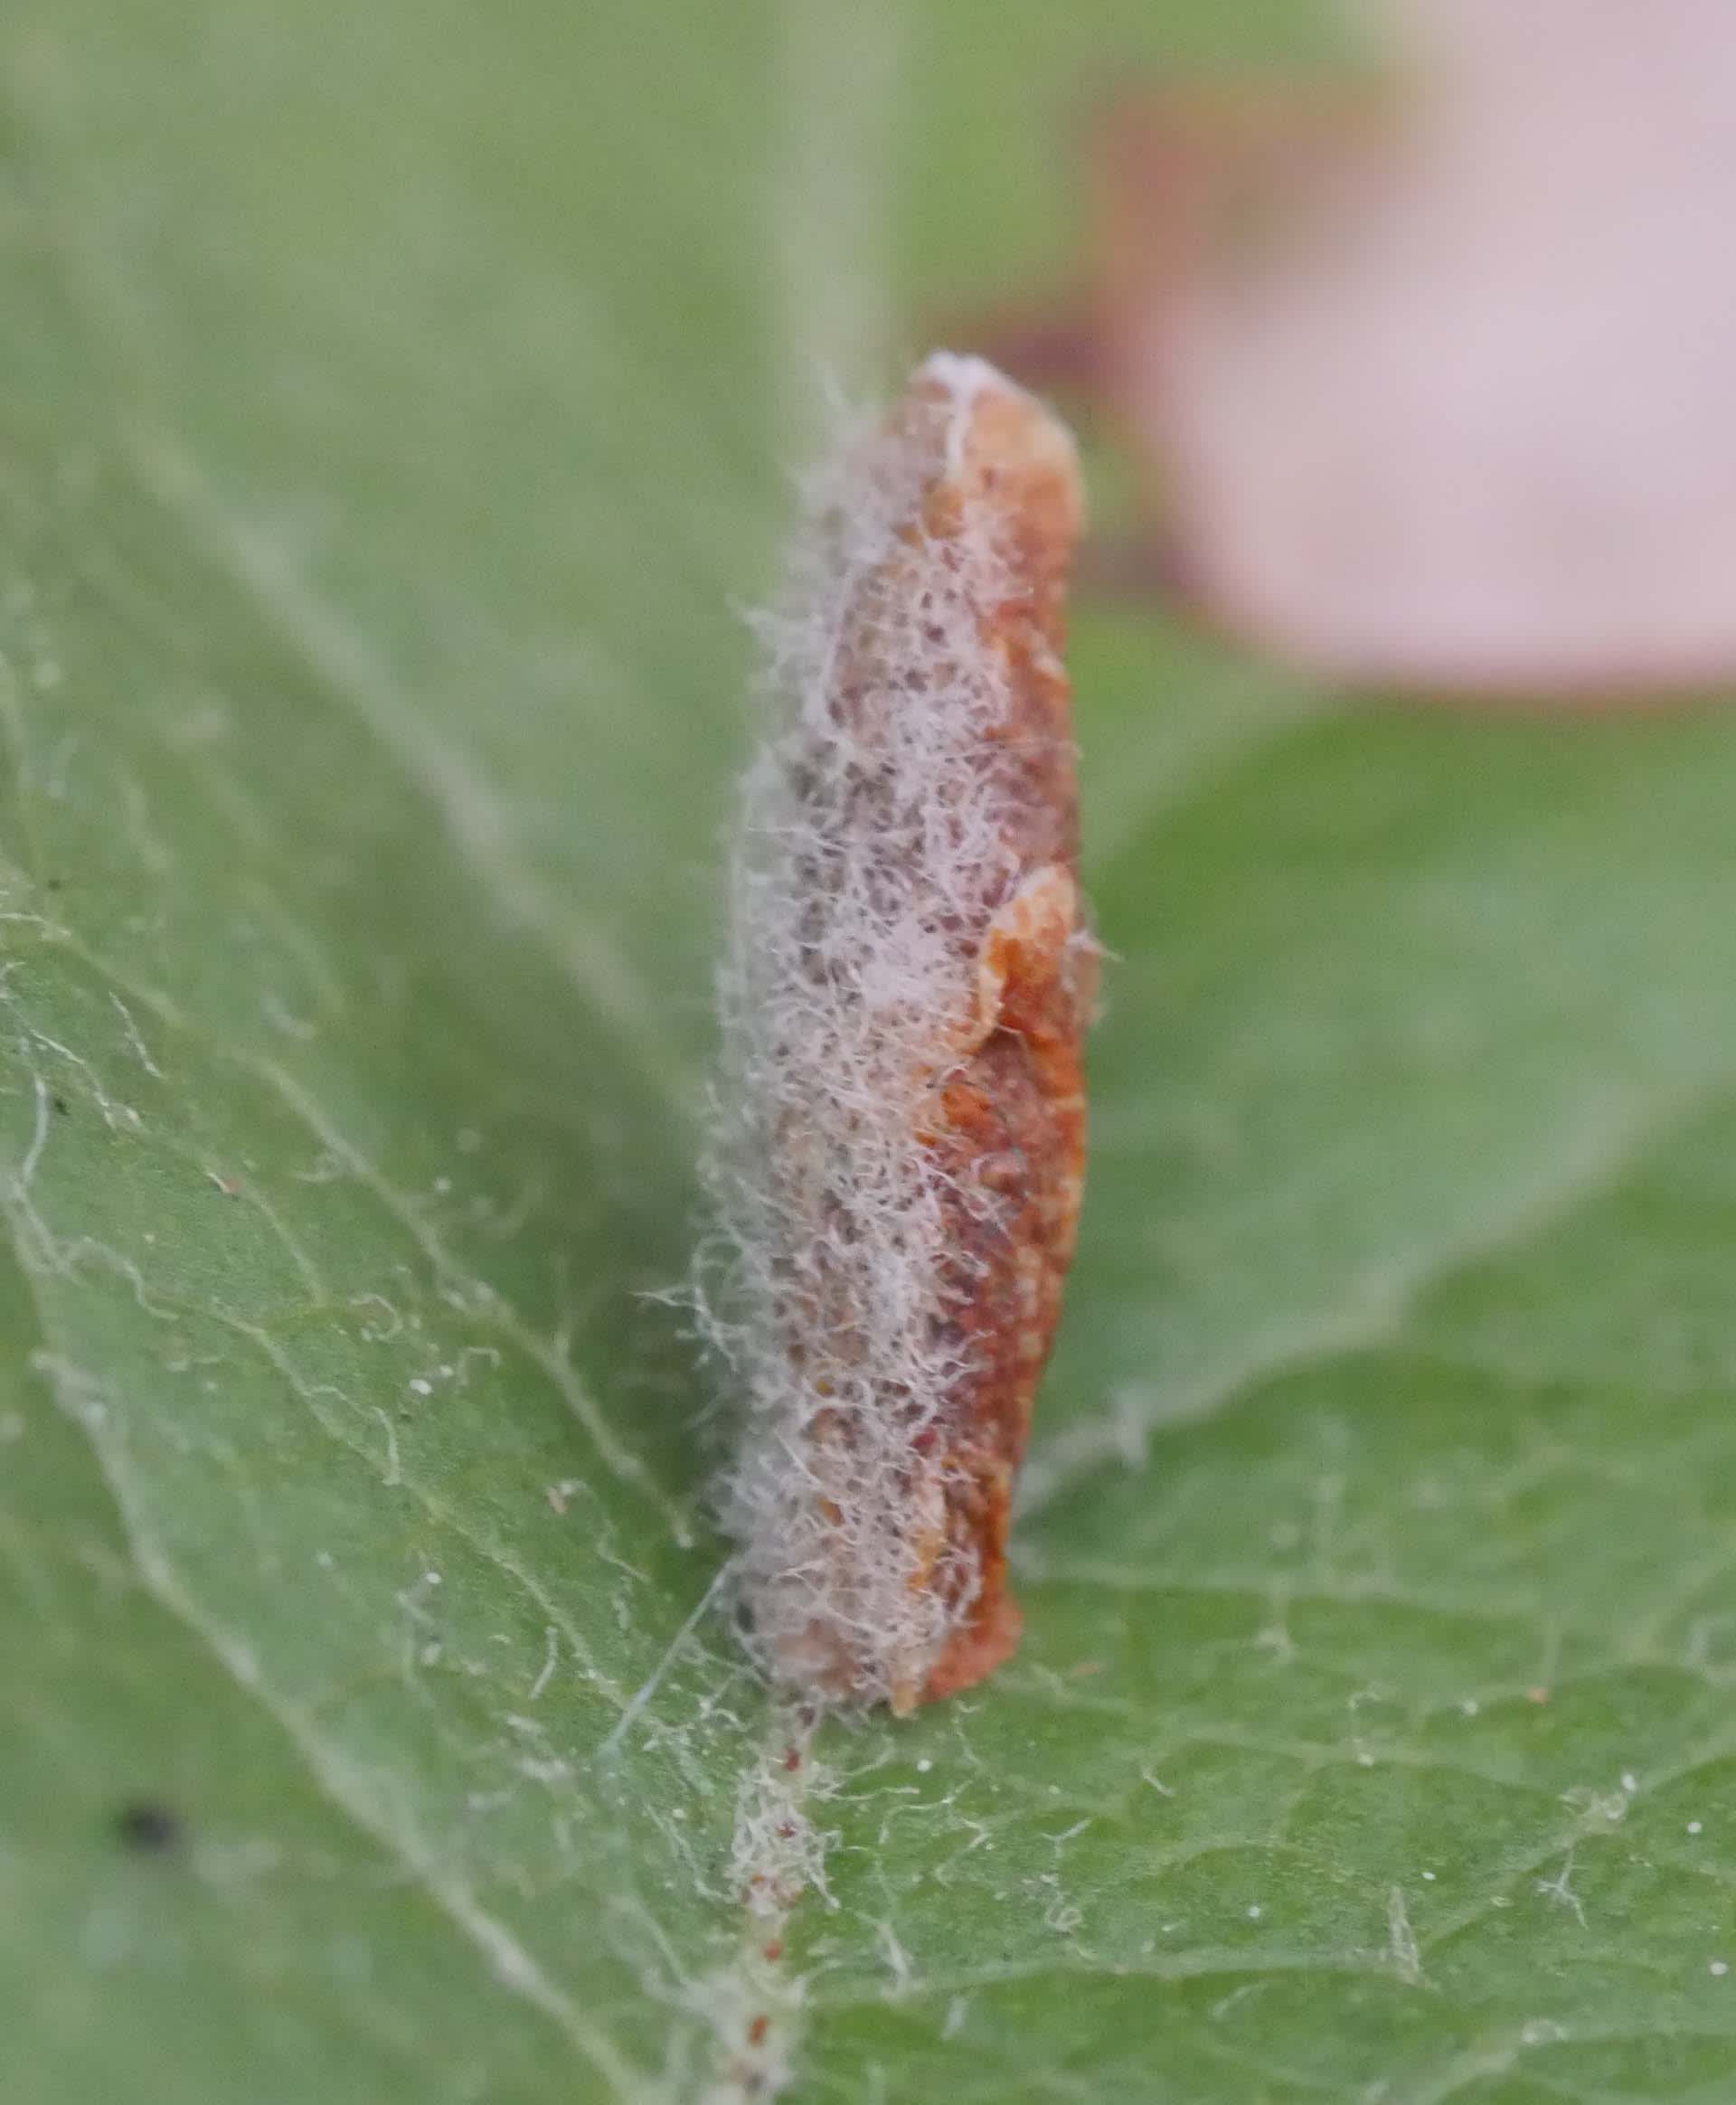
[(872, 850)]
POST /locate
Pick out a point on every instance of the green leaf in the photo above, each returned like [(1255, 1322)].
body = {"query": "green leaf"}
[(394, 403)]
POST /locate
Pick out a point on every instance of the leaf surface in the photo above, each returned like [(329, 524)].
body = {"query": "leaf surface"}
[(392, 405)]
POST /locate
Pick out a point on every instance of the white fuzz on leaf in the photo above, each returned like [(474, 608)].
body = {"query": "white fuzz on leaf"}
[(881, 842)]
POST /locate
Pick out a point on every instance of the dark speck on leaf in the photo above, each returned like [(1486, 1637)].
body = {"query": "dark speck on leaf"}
[(149, 1827), (62, 1106)]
